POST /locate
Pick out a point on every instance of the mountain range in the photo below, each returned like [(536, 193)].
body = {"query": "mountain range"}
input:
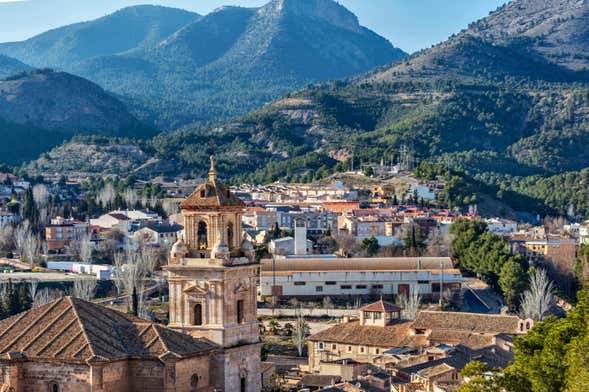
[(503, 106), (497, 104), (175, 67)]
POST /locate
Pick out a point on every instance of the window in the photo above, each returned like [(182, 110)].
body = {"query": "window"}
[(330, 283), (194, 381), (319, 289), (346, 287), (361, 286), (202, 235), (367, 315), (198, 314), (53, 387), (377, 350), (334, 346), (300, 283), (349, 349), (423, 281), (202, 193), (362, 349), (240, 317), (377, 315), (320, 345), (377, 286)]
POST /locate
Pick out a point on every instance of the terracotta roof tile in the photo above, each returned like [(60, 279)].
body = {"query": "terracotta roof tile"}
[(73, 330), (395, 335), (380, 306), (473, 322)]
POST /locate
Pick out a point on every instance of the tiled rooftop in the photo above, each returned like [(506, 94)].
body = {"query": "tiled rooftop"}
[(72, 330)]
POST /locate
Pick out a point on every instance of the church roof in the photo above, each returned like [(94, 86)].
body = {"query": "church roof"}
[(72, 330), (211, 194)]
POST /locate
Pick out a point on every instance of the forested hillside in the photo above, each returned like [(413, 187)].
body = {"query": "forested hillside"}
[(40, 109), (174, 68), (494, 104)]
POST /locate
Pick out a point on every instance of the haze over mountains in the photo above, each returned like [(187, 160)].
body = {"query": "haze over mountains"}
[(183, 67)]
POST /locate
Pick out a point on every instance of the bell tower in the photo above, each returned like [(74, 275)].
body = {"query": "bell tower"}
[(212, 277)]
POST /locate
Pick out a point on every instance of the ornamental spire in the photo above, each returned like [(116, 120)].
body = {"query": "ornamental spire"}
[(212, 172)]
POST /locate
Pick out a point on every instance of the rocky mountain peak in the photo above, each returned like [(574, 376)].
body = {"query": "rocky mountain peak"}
[(326, 10)]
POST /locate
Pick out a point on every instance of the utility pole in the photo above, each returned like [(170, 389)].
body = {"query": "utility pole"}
[(441, 280), (273, 283)]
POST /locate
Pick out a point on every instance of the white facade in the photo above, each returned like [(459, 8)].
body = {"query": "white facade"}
[(361, 276), (300, 284), (300, 241), (501, 226)]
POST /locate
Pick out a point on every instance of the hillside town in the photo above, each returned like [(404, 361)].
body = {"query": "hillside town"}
[(353, 287), (294, 196)]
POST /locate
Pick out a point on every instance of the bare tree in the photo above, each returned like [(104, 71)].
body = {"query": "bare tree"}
[(21, 234), (300, 333), (131, 198), (131, 271), (46, 296), (32, 288), (327, 303), (32, 247), (83, 248), (43, 215), (7, 238), (84, 289), (171, 208), (41, 196), (409, 304), (346, 245), (106, 195), (538, 301)]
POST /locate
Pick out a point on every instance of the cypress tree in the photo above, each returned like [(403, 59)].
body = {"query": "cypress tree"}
[(135, 300), (29, 209)]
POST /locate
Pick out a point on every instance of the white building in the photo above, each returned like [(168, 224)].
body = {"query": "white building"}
[(340, 277), (158, 235), (501, 226), (286, 246)]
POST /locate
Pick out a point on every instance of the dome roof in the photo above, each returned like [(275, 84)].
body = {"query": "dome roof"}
[(211, 194)]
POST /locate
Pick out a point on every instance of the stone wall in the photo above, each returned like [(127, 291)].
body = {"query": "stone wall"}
[(228, 369), (38, 376), (115, 377), (187, 368), (146, 376)]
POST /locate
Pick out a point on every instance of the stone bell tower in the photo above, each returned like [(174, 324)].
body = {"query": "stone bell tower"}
[(212, 276)]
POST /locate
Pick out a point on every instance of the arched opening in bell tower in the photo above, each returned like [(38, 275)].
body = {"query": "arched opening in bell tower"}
[(230, 235), (202, 235)]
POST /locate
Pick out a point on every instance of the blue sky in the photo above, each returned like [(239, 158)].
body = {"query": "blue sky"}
[(408, 24)]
